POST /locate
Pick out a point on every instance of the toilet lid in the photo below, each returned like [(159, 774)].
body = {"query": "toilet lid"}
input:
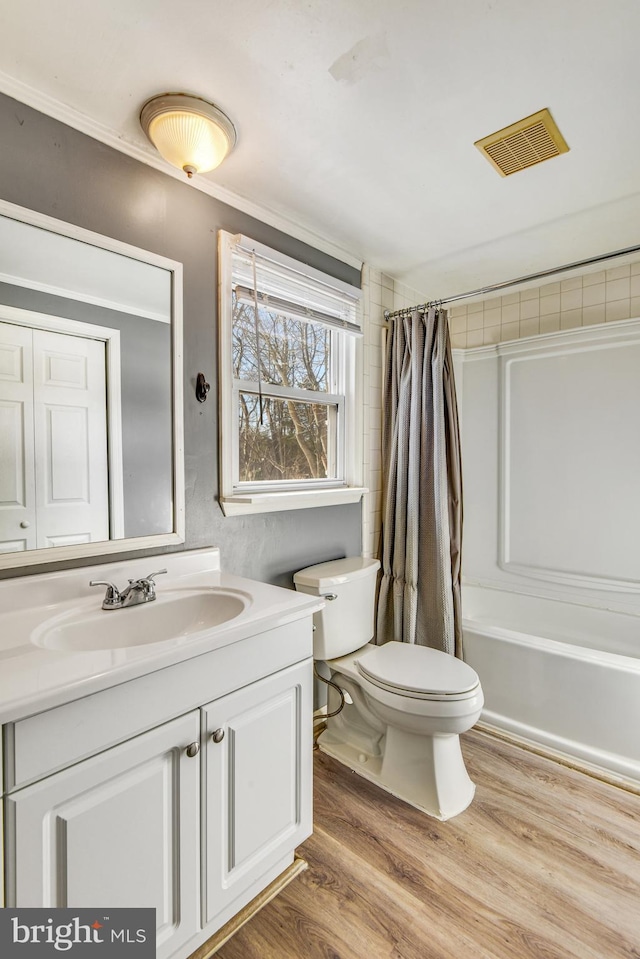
[(404, 667)]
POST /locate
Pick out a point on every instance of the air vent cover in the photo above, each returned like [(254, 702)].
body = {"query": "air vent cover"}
[(523, 144)]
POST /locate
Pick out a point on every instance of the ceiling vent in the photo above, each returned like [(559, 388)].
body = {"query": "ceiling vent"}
[(523, 144)]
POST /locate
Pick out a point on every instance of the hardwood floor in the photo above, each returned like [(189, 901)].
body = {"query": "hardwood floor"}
[(545, 864)]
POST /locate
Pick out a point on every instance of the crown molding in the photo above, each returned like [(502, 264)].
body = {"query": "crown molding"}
[(51, 107)]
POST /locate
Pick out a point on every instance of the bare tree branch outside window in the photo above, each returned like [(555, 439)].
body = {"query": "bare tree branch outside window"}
[(292, 441)]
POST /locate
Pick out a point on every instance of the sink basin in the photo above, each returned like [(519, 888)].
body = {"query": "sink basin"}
[(177, 614)]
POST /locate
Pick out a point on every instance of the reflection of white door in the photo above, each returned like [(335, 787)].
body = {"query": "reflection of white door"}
[(53, 439), (17, 472)]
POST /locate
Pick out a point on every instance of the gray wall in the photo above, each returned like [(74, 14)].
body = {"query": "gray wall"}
[(49, 167)]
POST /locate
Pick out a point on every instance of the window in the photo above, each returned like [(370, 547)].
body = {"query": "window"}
[(288, 372)]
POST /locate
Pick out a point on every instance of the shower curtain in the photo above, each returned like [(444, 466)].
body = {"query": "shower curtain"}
[(419, 598)]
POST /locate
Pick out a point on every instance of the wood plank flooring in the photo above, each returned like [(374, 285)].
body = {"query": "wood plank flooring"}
[(545, 864)]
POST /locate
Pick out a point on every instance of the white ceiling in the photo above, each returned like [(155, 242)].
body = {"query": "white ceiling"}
[(356, 118)]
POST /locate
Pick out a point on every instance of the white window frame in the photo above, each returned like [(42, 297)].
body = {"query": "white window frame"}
[(240, 498)]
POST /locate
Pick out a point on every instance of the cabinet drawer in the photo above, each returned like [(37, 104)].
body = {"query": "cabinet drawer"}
[(42, 744)]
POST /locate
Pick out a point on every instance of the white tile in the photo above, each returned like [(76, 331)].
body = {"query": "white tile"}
[(491, 334), (474, 321), (510, 299), (550, 323), (618, 309), (458, 324), (549, 289), (571, 300), (570, 319), (475, 338), (387, 281), (634, 286), (492, 317), (375, 399), (493, 303), (619, 273), (511, 313), (590, 279), (529, 309), (387, 298), (634, 306), (618, 289), (573, 283), (550, 304), (635, 268), (593, 314), (456, 311), (532, 294), (593, 295), (510, 331), (375, 439), (530, 327), (475, 307), (459, 341)]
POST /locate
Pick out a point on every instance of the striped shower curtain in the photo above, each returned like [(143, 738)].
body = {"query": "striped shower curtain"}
[(419, 599)]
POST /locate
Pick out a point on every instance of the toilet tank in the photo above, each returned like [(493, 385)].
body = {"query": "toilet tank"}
[(347, 621)]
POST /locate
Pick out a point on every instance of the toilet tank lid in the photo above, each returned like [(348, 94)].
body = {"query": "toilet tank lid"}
[(337, 571)]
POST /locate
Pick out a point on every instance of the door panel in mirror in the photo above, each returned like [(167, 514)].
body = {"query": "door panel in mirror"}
[(86, 469)]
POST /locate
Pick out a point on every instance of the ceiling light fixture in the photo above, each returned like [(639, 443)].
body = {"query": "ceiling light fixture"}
[(190, 133)]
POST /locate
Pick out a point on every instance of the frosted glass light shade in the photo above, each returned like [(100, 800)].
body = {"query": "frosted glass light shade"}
[(190, 133)]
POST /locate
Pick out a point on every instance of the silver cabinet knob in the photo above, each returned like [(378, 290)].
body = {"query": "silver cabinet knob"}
[(218, 735), (24, 524), (192, 750)]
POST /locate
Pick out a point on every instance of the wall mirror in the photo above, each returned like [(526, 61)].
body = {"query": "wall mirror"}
[(91, 441)]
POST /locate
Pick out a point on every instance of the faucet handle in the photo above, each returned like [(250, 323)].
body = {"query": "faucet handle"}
[(148, 584), (112, 596)]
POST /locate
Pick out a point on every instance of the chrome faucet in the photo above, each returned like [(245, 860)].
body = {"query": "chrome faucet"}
[(138, 591)]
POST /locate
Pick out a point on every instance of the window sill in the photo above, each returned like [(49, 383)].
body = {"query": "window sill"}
[(243, 503)]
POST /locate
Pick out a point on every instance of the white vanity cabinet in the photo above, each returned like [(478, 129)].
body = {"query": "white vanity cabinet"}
[(258, 783), (119, 829), (186, 790)]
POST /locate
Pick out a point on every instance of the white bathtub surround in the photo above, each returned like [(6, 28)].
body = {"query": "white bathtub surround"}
[(551, 460), (551, 594), (547, 680)]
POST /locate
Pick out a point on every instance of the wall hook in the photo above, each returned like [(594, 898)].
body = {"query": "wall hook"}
[(202, 388)]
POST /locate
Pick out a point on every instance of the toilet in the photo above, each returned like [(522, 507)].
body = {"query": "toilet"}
[(405, 705)]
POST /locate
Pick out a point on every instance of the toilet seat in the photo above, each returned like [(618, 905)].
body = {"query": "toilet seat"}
[(417, 672)]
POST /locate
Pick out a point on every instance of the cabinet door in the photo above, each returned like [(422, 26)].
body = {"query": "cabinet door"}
[(258, 783), (119, 829)]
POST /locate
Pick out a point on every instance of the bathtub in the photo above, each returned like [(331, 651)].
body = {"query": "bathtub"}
[(563, 676)]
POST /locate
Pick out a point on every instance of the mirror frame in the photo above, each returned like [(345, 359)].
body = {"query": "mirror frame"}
[(55, 554)]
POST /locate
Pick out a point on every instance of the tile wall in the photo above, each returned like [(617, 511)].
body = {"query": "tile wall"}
[(600, 297), (580, 301)]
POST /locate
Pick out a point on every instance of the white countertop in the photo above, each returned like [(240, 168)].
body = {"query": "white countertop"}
[(33, 678)]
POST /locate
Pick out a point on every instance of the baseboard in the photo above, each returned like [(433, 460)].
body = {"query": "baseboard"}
[(211, 946), (546, 752)]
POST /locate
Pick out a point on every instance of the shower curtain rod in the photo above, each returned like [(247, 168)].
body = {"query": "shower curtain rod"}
[(496, 287)]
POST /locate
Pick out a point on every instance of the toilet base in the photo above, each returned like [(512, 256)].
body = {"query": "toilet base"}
[(427, 772)]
